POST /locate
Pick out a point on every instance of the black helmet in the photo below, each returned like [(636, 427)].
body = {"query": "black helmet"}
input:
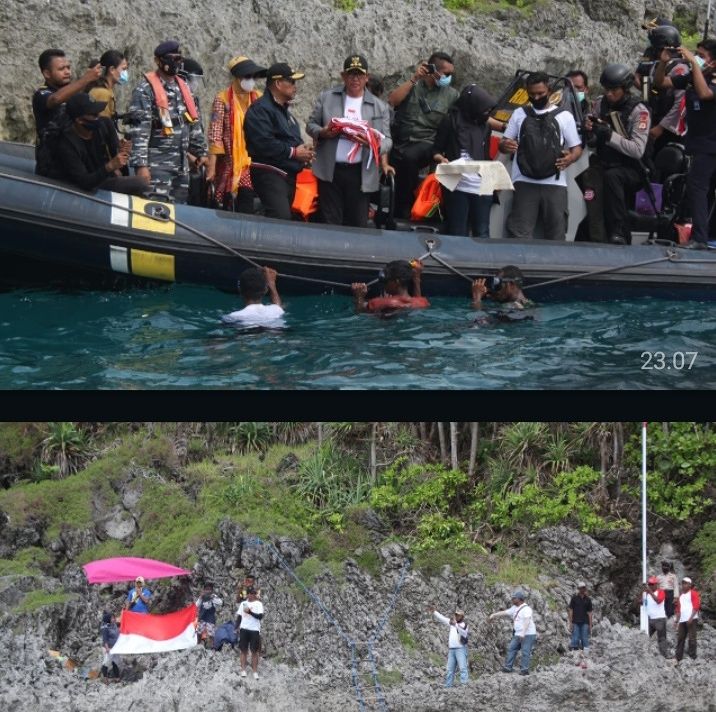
[(615, 76), (664, 36)]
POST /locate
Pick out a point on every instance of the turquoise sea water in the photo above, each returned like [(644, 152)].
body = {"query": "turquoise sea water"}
[(173, 338)]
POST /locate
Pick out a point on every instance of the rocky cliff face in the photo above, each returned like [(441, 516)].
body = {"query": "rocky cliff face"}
[(315, 36), (308, 665)]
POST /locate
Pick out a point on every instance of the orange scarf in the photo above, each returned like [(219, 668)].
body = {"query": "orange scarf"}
[(238, 103)]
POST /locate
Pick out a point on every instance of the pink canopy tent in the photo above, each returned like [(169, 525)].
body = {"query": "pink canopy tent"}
[(127, 568)]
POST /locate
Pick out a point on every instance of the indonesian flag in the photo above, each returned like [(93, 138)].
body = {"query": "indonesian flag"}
[(352, 128), (149, 633)]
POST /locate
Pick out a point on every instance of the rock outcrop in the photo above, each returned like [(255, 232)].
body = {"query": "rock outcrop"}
[(315, 36), (308, 662)]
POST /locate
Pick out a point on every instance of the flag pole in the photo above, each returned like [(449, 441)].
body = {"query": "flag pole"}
[(708, 20), (643, 619)]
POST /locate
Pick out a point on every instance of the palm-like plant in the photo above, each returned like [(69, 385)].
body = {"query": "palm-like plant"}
[(65, 446)]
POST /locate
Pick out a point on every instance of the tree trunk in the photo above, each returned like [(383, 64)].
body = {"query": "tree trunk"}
[(474, 435), (453, 446), (423, 432), (373, 465), (443, 446)]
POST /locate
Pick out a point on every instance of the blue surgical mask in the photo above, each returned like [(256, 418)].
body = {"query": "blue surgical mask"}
[(123, 76), (700, 61), (581, 96), (445, 80)]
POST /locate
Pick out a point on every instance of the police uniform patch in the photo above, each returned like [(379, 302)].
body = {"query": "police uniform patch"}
[(589, 194), (643, 120)]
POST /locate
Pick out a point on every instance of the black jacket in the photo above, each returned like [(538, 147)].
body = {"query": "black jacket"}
[(83, 162), (271, 132), (447, 143)]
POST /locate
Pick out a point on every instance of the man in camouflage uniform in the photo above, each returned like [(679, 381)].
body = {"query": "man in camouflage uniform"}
[(165, 140), (619, 129)]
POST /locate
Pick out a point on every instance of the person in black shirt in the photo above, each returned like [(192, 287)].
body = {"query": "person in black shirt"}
[(88, 152), (273, 140), (700, 87), (48, 101), (580, 619)]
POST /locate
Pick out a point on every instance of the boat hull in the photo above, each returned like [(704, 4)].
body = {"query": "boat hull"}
[(111, 234)]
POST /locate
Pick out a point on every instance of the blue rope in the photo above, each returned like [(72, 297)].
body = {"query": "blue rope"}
[(326, 614), (350, 642), (377, 632)]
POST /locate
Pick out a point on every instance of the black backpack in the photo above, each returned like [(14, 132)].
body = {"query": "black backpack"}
[(46, 162), (540, 144)]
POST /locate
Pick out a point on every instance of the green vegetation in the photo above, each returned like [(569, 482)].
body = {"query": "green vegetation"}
[(460, 494), (486, 6), (680, 469), (39, 599), (687, 21), (347, 5), (27, 562), (404, 635), (705, 546)]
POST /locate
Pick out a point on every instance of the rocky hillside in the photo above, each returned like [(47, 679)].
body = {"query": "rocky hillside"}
[(230, 514), (488, 38)]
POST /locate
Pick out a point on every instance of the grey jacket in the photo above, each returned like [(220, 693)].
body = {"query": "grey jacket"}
[(330, 104)]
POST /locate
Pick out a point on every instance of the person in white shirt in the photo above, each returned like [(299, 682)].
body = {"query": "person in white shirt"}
[(544, 146), (655, 600), (254, 284), (687, 610), (251, 612), (524, 632), (457, 645)]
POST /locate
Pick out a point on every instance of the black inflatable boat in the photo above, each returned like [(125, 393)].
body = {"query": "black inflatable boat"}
[(46, 222)]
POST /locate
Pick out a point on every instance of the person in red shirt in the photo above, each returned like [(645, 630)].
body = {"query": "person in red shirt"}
[(656, 612), (687, 608), (397, 277)]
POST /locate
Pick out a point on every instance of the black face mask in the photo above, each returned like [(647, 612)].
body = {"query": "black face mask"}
[(171, 65), (540, 103), (90, 125)]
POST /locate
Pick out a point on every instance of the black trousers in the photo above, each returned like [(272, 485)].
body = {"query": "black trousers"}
[(275, 191), (684, 630), (341, 200), (620, 185), (407, 160), (133, 185), (698, 188)]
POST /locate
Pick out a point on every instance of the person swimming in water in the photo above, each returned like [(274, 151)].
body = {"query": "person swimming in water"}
[(506, 288), (401, 290)]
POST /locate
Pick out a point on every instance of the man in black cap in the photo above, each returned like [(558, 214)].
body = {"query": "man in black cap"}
[(169, 137), (88, 152), (273, 140), (347, 170)]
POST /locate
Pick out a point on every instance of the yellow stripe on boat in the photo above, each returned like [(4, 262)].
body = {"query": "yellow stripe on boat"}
[(153, 264), (142, 221)]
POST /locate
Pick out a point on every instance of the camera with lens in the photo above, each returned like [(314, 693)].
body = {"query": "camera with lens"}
[(673, 52), (494, 284), (431, 68)]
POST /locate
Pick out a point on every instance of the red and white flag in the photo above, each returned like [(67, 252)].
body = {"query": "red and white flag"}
[(149, 633)]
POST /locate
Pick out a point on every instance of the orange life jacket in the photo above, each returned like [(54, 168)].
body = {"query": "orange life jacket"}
[(428, 199), (305, 201), (162, 101)]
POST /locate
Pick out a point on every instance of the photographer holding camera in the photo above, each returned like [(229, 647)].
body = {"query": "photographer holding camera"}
[(421, 103), (618, 128)]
